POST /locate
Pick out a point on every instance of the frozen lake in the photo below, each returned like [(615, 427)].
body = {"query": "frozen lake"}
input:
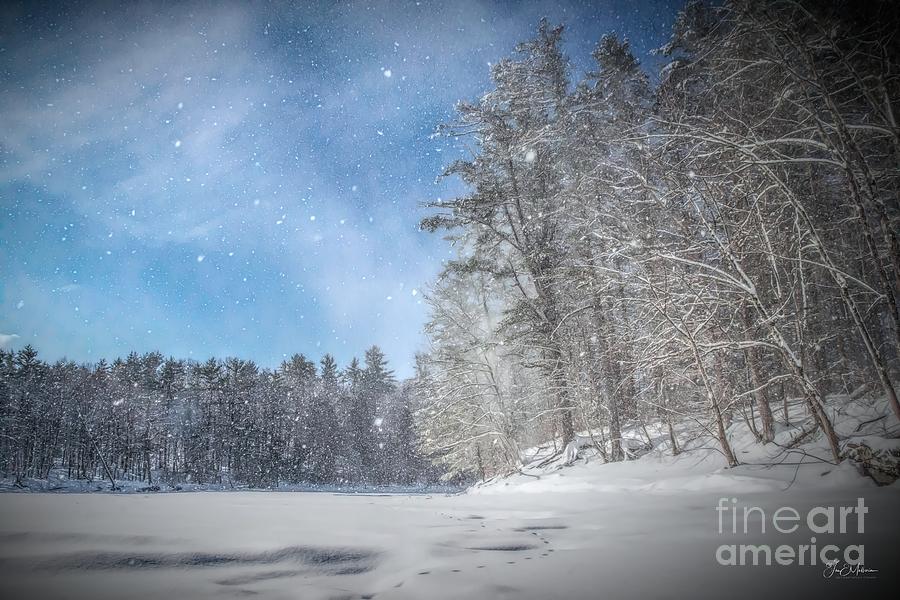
[(540, 545)]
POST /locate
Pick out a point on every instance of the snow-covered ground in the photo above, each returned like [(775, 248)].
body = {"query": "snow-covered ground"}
[(646, 528)]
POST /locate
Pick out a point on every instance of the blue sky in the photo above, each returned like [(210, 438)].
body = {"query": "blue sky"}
[(233, 179)]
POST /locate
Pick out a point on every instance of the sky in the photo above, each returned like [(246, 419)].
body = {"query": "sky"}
[(244, 179)]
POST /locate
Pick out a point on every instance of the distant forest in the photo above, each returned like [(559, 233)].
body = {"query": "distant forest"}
[(165, 420)]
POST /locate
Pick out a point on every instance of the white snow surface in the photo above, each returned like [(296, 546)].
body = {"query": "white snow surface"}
[(643, 528)]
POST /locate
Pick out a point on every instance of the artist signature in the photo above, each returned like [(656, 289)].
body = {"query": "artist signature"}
[(838, 570)]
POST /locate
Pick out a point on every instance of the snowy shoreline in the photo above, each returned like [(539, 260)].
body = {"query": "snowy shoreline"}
[(97, 486)]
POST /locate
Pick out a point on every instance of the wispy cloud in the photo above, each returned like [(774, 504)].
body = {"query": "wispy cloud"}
[(7, 339)]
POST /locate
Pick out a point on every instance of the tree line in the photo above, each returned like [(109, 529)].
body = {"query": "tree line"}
[(708, 247), (165, 420)]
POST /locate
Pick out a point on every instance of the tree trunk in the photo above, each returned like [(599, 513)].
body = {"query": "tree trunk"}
[(760, 398)]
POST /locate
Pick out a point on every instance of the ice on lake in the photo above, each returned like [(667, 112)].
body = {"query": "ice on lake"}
[(530, 539)]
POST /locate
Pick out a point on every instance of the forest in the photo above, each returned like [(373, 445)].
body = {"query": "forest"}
[(229, 422), (709, 245), (704, 248)]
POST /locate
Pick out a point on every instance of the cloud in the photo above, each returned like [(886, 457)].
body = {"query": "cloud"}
[(6, 339), (116, 115), (186, 134)]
